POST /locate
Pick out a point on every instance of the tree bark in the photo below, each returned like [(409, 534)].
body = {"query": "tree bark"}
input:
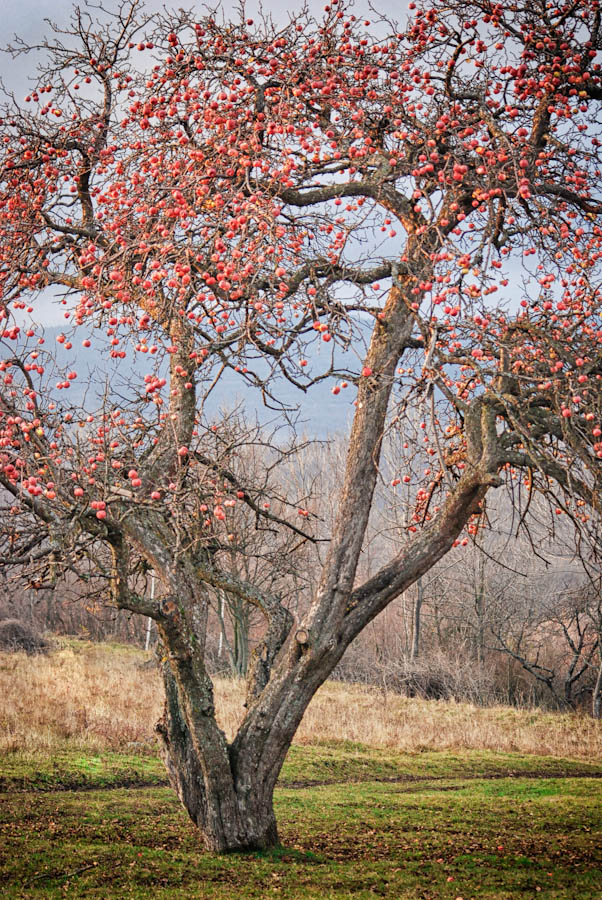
[(230, 814), (416, 622)]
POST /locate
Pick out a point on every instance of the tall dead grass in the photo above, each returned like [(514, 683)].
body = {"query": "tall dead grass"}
[(98, 697), (90, 695)]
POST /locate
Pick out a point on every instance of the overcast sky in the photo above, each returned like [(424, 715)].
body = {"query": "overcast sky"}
[(26, 19)]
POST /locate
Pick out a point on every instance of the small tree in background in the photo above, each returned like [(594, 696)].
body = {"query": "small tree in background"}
[(227, 196)]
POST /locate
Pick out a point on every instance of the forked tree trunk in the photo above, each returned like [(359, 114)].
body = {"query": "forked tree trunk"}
[(230, 816), (227, 789)]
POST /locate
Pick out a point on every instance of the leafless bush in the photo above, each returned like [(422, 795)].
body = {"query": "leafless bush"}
[(434, 676), (16, 635), (67, 610)]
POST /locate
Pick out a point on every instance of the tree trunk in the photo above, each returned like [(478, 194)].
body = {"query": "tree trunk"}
[(227, 789), (416, 624), (597, 693), (229, 815)]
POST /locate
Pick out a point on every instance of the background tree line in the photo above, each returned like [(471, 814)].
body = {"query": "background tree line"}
[(495, 622)]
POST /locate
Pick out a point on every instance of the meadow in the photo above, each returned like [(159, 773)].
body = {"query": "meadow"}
[(380, 796)]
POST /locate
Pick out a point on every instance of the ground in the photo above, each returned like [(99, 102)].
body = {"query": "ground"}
[(354, 822), (91, 817)]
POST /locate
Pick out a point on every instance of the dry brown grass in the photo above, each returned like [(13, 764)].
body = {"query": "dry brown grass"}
[(100, 698), (89, 695)]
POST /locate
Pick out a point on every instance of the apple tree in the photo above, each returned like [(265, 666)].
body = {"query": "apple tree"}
[(420, 200)]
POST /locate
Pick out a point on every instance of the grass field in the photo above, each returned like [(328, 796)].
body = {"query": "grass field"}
[(88, 813), (98, 697)]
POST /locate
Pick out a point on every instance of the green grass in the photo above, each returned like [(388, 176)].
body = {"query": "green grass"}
[(328, 761), (78, 770), (469, 825), (306, 765)]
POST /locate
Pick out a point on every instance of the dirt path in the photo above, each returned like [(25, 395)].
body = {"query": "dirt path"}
[(7, 785), (415, 779)]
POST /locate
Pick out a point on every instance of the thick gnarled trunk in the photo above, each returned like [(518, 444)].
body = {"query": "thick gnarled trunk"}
[(230, 815), (228, 790)]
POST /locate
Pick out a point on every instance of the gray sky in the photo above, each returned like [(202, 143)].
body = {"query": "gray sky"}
[(26, 19)]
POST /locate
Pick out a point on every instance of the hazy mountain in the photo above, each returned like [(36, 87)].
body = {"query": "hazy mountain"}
[(319, 412)]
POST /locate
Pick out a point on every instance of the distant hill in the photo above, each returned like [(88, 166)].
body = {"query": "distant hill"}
[(319, 412)]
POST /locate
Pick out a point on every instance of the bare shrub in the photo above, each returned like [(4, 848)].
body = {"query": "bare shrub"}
[(16, 635), (437, 675)]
